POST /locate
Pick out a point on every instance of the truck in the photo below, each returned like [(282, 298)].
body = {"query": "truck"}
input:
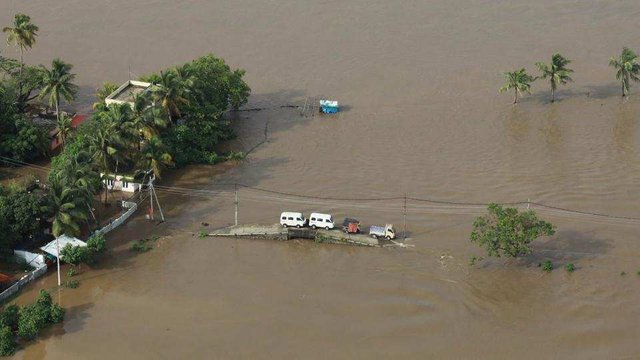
[(351, 226), (386, 232)]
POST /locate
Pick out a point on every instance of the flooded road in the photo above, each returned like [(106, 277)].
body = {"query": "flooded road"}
[(418, 83)]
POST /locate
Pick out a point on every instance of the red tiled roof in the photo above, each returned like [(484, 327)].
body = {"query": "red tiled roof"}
[(78, 119)]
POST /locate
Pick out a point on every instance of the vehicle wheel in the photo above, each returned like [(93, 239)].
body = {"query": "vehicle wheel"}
[(284, 225), (313, 227), (298, 226), (388, 237), (374, 236), (327, 228)]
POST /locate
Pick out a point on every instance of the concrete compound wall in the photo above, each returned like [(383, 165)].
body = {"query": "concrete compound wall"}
[(37, 260)]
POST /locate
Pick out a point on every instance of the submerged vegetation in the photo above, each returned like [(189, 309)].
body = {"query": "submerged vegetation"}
[(26, 323), (626, 66), (508, 232)]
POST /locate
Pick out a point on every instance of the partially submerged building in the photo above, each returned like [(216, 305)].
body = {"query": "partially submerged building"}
[(127, 92), (125, 183)]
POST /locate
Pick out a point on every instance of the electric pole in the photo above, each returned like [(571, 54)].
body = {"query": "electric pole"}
[(404, 215), (236, 202)]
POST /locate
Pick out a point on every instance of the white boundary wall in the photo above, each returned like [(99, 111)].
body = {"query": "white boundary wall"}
[(37, 260)]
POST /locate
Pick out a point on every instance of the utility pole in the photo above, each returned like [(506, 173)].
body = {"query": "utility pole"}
[(236, 202), (151, 198), (404, 215), (58, 258), (528, 204), (152, 193)]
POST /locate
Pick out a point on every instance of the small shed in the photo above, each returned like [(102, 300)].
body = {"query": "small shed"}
[(52, 248)]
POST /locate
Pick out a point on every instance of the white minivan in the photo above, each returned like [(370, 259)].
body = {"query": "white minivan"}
[(323, 221), (293, 219)]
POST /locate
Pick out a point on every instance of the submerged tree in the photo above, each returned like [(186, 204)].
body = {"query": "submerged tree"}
[(171, 93), (102, 93), (23, 35), (58, 82), (68, 205), (64, 127), (508, 232), (519, 81), (627, 68), (557, 72)]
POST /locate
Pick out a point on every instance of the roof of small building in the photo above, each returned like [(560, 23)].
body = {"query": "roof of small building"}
[(52, 248), (126, 92)]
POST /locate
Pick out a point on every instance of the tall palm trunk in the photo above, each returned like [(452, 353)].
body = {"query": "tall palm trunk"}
[(58, 109), (515, 100), (20, 76)]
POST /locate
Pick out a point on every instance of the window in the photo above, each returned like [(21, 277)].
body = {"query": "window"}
[(298, 219), (284, 218), (313, 219), (125, 184), (289, 218)]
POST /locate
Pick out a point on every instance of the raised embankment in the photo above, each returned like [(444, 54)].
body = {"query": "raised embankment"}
[(277, 232)]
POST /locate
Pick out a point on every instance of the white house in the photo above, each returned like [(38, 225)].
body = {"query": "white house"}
[(126, 92), (63, 240), (124, 183)]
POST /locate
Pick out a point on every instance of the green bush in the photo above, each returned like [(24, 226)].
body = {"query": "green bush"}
[(97, 243), (72, 272), (7, 341), (30, 322), (72, 284), (139, 246), (9, 316), (57, 314), (202, 234), (547, 266), (570, 267), (75, 255)]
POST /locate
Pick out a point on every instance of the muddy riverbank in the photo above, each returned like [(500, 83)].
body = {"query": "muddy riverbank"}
[(422, 116)]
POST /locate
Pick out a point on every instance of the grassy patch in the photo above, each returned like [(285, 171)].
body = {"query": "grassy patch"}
[(570, 267), (72, 272), (202, 234), (622, 273), (72, 284), (547, 266), (143, 245)]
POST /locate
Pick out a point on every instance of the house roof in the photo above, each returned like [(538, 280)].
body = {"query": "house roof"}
[(52, 249), (78, 119)]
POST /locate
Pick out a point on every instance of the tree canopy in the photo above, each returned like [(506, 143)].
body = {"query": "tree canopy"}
[(519, 81), (557, 72), (508, 232), (627, 69)]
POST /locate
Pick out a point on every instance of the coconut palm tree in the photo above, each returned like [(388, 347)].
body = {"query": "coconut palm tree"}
[(171, 93), (23, 35), (517, 80), (103, 147), (627, 68), (102, 93), (68, 207), (155, 156), (557, 72), (58, 82), (64, 127)]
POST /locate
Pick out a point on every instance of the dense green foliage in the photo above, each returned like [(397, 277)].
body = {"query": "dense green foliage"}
[(557, 72), (508, 232), (27, 322), (76, 255), (97, 243), (20, 214)]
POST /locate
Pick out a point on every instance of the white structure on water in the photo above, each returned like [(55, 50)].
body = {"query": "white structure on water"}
[(52, 248), (126, 93), (124, 183)]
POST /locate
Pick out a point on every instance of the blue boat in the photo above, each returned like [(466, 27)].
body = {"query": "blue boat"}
[(329, 106)]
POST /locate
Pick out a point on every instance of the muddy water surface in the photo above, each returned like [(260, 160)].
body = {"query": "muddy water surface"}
[(421, 116)]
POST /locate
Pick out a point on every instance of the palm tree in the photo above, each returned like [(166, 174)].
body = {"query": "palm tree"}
[(23, 35), (517, 80), (68, 207), (103, 147), (102, 93), (557, 72), (155, 156), (628, 68), (64, 127), (58, 82), (171, 93)]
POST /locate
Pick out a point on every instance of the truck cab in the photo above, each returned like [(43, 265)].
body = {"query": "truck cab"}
[(387, 232)]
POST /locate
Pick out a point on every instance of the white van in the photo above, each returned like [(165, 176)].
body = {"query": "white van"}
[(294, 219), (317, 220)]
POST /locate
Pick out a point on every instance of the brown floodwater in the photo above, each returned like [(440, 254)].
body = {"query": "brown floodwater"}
[(418, 83)]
